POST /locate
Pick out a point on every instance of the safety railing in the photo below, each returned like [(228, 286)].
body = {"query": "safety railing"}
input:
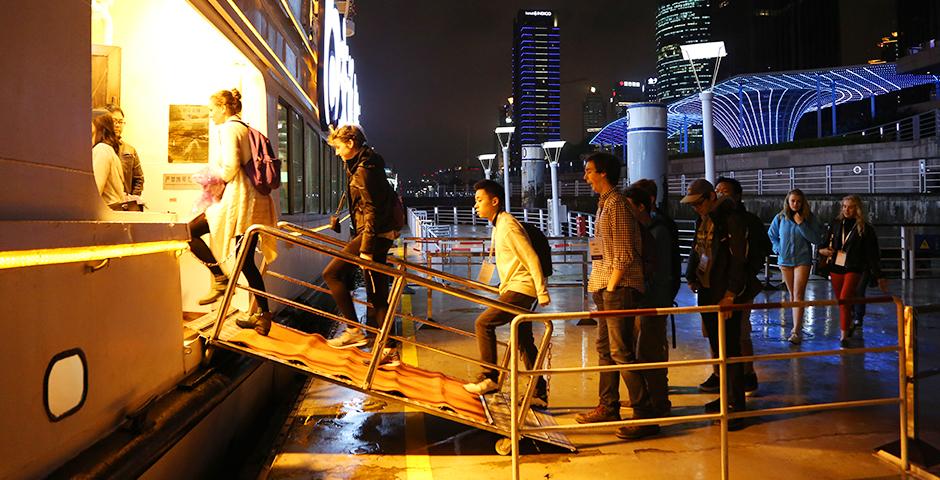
[(909, 175), (520, 399), (914, 127), (403, 272), (473, 250)]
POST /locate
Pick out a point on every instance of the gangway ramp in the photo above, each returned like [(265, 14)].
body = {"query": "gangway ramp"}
[(431, 392)]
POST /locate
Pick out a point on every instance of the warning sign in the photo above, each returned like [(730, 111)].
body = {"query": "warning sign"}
[(927, 243)]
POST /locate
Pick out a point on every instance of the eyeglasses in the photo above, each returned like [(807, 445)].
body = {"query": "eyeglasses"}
[(120, 122)]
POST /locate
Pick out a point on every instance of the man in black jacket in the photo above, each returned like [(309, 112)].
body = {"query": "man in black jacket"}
[(719, 274), (371, 204)]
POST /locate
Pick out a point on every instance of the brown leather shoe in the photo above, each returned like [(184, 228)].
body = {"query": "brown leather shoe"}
[(261, 322), (601, 413)]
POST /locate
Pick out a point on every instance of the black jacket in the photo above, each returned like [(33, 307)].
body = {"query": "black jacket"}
[(862, 253), (370, 197), (729, 271)]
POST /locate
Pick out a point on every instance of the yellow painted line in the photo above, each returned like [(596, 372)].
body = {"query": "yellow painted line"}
[(417, 461)]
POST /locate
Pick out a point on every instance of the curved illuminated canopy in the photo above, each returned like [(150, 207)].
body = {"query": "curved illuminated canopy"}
[(765, 108)]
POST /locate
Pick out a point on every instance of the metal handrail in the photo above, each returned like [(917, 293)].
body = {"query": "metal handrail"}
[(323, 244), (520, 409)]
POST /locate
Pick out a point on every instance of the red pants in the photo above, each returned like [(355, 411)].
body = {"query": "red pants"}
[(844, 285)]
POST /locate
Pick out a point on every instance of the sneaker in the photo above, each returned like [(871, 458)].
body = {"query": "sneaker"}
[(261, 322), (636, 432), (351, 337), (713, 406), (750, 384), (710, 385), (539, 401), (601, 413), (795, 338), (390, 357), (481, 388)]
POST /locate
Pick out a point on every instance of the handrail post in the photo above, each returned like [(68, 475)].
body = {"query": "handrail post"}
[(513, 392), (904, 316), (723, 315), (397, 287), (233, 278)]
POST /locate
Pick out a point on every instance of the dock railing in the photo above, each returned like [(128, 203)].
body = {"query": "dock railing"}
[(521, 391)]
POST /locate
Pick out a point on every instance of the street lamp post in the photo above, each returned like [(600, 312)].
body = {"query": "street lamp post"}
[(504, 134), (486, 160), (552, 152), (704, 51)]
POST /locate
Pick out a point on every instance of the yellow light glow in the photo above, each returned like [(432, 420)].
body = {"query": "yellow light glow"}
[(56, 256)]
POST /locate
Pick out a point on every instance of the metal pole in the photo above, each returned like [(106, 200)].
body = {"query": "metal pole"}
[(833, 83), (707, 135), (902, 314), (513, 394), (723, 389), (506, 175), (556, 197), (818, 109)]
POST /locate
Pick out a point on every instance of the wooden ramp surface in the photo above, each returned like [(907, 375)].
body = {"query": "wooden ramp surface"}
[(428, 391)]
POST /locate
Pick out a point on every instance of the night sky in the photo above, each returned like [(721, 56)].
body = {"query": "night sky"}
[(433, 74)]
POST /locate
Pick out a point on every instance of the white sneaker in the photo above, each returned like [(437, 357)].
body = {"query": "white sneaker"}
[(348, 339), (390, 357), (481, 388), (796, 338)]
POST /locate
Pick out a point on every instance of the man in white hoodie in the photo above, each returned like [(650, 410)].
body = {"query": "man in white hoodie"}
[(521, 283)]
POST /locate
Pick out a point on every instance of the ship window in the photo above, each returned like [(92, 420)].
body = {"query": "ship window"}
[(66, 384)]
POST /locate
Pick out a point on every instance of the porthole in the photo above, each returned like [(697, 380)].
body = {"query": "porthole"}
[(65, 385)]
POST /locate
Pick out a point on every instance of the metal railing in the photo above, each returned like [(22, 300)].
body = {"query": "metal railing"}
[(914, 127), (909, 175), (520, 403), (901, 254)]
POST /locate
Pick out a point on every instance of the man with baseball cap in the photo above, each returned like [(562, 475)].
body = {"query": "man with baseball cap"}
[(718, 273)]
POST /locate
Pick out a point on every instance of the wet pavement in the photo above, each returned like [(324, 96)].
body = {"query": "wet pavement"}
[(337, 433)]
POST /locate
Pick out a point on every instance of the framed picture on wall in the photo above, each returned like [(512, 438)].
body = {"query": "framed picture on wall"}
[(188, 136)]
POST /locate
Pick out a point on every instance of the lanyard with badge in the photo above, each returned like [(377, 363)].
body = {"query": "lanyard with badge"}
[(488, 267), (596, 243), (840, 255)]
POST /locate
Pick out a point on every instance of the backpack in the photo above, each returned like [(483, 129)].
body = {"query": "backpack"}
[(648, 254), (398, 210), (675, 253), (758, 242), (540, 245), (264, 169)]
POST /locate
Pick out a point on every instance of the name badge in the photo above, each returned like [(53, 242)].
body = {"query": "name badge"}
[(840, 258), (596, 248), (487, 268)]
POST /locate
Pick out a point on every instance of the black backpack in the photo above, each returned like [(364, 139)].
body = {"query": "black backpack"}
[(540, 245), (758, 242), (675, 253)]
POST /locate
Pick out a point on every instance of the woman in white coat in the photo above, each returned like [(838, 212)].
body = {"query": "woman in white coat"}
[(109, 172), (240, 206)]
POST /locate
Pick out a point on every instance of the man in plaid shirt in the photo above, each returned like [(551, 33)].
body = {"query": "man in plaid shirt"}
[(616, 283)]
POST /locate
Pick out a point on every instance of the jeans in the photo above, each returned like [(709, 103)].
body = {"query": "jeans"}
[(735, 371), (199, 227), (337, 271), (619, 341), (485, 327)]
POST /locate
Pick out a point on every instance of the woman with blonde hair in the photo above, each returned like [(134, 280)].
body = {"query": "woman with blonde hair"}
[(793, 232), (107, 166), (852, 248), (240, 206)]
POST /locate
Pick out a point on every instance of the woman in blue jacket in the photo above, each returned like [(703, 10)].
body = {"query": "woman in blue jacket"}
[(793, 231)]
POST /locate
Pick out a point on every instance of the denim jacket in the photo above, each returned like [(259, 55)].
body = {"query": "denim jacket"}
[(792, 242)]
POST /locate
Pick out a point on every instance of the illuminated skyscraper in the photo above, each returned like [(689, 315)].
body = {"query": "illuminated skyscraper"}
[(536, 79), (680, 22)]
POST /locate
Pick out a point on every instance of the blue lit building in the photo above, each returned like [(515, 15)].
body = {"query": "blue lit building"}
[(536, 79), (763, 109), (680, 22)]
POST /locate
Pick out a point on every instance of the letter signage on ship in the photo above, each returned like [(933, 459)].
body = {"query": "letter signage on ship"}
[(338, 86)]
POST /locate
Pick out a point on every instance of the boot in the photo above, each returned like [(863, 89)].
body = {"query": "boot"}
[(261, 322), (219, 284)]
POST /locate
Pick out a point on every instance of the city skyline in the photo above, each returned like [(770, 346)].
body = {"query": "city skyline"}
[(429, 86)]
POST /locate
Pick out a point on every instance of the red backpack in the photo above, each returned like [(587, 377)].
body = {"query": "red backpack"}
[(264, 169)]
